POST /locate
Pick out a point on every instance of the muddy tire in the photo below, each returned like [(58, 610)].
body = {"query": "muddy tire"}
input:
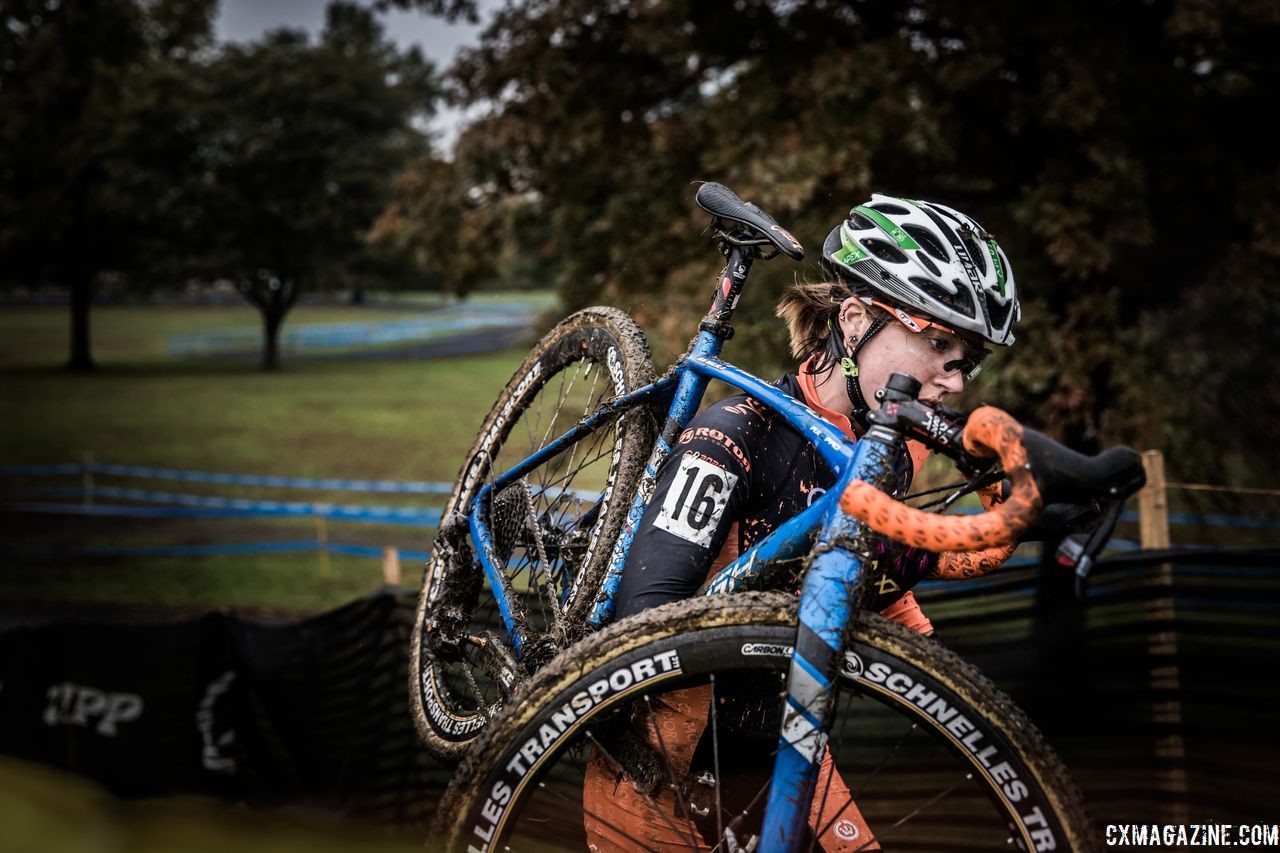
[(553, 529), (990, 780)]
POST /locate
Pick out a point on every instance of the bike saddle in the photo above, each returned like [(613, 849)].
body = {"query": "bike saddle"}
[(724, 203)]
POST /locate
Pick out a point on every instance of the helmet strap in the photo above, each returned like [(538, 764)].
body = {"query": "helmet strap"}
[(848, 364)]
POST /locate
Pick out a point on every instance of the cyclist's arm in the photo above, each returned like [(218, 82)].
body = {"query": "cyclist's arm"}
[(700, 492)]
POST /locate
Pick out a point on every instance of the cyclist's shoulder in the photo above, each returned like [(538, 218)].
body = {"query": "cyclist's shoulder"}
[(745, 421), (744, 411)]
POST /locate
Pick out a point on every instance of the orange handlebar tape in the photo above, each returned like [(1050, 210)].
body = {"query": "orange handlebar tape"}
[(989, 432)]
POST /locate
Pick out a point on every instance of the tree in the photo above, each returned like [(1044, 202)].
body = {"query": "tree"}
[(457, 238), (1089, 139), (91, 139), (300, 142)]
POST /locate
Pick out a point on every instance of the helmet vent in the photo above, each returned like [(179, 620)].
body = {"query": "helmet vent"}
[(860, 222), (979, 257), (999, 313), (891, 209), (928, 242), (928, 264), (884, 250), (959, 301)]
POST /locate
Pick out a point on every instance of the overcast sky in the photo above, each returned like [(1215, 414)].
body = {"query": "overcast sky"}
[(246, 20)]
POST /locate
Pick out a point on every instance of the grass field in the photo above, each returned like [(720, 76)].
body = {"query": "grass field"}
[(46, 811), (398, 420)]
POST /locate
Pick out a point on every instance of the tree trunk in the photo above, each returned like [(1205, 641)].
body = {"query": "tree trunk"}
[(81, 297), (272, 319), (273, 297)]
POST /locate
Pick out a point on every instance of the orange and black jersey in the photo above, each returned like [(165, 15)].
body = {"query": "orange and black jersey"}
[(735, 474)]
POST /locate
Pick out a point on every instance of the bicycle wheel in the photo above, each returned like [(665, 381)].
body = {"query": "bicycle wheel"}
[(553, 529), (936, 757)]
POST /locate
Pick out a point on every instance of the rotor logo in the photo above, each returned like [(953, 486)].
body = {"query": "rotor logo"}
[(846, 830)]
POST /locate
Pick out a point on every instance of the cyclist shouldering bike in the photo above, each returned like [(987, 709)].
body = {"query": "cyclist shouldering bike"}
[(916, 288), (710, 711)]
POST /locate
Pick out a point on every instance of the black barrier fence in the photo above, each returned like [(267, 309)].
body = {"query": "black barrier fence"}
[(310, 714), (1159, 691)]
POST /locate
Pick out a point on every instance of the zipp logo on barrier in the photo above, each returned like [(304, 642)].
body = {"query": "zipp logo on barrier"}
[(78, 705)]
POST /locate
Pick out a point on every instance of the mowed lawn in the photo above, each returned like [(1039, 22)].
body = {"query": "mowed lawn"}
[(352, 419)]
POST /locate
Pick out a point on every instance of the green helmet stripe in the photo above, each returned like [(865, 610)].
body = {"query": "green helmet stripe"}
[(852, 252), (995, 261), (902, 238)]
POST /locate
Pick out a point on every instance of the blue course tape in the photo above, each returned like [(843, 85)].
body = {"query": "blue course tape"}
[(370, 551), (325, 483), (377, 515), (41, 470), (162, 550), (294, 507), (1211, 520), (454, 319)]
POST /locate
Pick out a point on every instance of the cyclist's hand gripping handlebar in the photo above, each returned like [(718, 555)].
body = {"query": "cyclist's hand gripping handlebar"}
[(989, 433), (1041, 470)]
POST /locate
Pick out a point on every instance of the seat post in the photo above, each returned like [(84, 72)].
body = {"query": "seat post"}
[(728, 291)]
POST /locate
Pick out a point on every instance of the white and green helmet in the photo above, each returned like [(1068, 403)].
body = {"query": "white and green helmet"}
[(929, 258)]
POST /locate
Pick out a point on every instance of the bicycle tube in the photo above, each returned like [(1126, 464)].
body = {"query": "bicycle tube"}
[(554, 526), (919, 728)]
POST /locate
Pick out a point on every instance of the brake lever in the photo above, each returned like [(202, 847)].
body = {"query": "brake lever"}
[(1079, 551), (938, 427)]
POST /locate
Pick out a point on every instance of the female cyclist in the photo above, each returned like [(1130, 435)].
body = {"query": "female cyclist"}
[(916, 288)]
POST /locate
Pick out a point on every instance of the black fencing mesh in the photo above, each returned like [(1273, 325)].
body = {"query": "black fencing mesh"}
[(1159, 691)]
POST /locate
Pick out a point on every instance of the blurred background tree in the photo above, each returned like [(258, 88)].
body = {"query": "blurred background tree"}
[(92, 139), (131, 151), (299, 144), (1107, 146)]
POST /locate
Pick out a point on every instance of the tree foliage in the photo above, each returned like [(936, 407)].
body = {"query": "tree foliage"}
[(1104, 144), (90, 147), (299, 143), (132, 150)]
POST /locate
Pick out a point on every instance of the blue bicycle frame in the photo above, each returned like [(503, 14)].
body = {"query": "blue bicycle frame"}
[(828, 595)]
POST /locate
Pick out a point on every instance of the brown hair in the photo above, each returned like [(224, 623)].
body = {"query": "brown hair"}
[(808, 310)]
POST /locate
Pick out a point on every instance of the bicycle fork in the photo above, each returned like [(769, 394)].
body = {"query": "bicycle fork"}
[(827, 605)]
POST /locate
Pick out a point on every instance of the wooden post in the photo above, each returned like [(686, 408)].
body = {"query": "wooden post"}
[(390, 566), (322, 540), (1153, 503), (1162, 643)]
